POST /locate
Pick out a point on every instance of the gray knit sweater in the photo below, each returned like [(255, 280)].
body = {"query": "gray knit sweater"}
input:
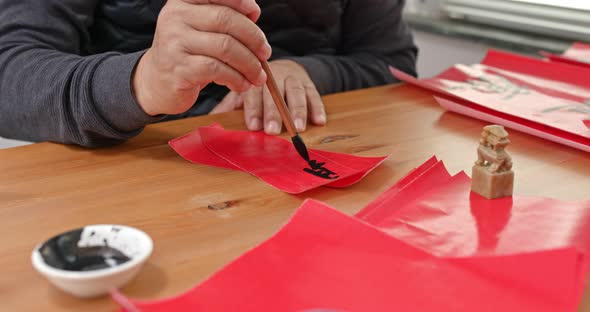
[(66, 65)]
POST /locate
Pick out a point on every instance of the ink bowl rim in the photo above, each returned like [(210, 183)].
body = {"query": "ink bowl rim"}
[(45, 269)]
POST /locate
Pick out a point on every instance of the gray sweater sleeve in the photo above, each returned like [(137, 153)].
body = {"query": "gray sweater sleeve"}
[(48, 91), (374, 37)]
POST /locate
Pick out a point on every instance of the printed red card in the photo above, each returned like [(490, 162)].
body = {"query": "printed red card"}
[(272, 159), (532, 95), (578, 54), (515, 123), (438, 213), (325, 260)]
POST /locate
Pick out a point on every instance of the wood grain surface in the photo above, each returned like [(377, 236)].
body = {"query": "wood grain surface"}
[(202, 217)]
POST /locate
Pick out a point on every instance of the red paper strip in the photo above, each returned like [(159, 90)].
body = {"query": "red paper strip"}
[(578, 54), (554, 101), (514, 123), (190, 146), (406, 190), (564, 59), (579, 50), (446, 219), (538, 68), (272, 159), (501, 118), (323, 259)]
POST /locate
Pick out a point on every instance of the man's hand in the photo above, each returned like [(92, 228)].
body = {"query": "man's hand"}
[(299, 91), (198, 42)]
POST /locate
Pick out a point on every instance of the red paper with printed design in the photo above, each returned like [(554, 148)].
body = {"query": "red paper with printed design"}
[(578, 54), (545, 99)]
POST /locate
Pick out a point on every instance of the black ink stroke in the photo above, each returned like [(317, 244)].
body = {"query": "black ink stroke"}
[(318, 170)]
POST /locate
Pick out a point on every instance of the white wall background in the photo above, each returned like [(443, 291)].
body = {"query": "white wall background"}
[(438, 53), (6, 143)]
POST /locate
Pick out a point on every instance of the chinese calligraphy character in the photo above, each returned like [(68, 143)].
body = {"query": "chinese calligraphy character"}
[(492, 84), (581, 108), (318, 170)]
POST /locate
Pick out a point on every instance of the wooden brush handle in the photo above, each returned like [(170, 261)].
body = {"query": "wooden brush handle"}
[(279, 100)]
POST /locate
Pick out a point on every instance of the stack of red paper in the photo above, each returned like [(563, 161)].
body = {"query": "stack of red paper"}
[(325, 260), (578, 54), (542, 98), (437, 212)]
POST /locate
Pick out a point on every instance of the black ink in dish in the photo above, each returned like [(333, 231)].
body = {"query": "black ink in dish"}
[(62, 252)]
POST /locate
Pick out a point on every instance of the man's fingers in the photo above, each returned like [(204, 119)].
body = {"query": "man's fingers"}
[(225, 20), (272, 119), (170, 75), (316, 106), (230, 102), (253, 109), (297, 101), (199, 70), (247, 7), (227, 50)]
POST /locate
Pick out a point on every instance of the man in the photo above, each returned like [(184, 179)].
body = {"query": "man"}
[(95, 72)]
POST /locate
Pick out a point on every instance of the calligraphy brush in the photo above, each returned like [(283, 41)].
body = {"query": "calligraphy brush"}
[(285, 114)]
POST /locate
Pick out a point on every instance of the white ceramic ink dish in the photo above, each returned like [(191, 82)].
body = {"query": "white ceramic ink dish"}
[(92, 261)]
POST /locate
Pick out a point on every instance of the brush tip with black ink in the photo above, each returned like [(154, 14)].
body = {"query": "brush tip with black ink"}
[(300, 147)]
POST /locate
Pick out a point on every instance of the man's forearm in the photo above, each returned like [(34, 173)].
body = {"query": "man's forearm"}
[(48, 92), (51, 96)]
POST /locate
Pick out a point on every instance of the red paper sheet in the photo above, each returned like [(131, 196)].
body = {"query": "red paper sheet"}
[(579, 51), (514, 123), (578, 54), (541, 96), (323, 259), (408, 189), (272, 159), (444, 218)]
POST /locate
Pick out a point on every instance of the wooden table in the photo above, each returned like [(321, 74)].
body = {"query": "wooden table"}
[(49, 188)]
